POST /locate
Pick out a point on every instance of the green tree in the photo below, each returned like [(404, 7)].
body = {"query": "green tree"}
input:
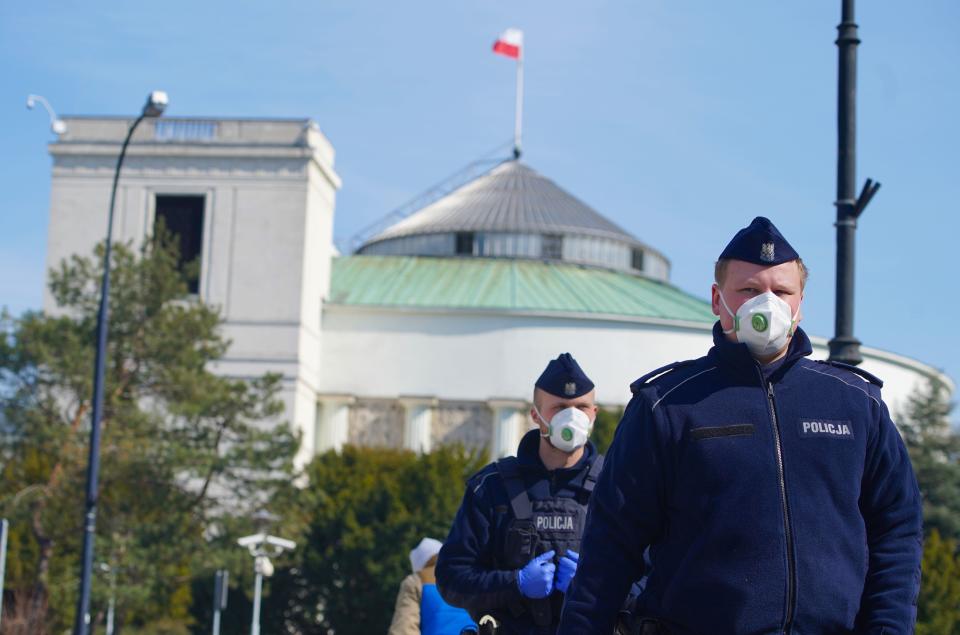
[(938, 611), (362, 512), (178, 441), (934, 448)]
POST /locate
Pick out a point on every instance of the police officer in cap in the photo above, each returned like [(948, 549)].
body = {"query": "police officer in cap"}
[(515, 542), (771, 493)]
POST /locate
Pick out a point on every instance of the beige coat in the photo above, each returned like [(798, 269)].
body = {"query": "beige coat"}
[(406, 614)]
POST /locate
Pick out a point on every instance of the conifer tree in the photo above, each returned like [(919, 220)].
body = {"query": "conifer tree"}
[(361, 513), (181, 448), (934, 448), (938, 611)]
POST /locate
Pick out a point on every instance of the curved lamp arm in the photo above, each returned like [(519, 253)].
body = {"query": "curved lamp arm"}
[(58, 126)]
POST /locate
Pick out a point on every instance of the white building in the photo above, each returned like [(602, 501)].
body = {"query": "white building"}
[(435, 330)]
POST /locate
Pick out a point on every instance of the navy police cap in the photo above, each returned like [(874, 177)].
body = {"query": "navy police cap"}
[(761, 243), (563, 377)]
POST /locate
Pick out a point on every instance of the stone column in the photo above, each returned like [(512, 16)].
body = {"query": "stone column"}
[(332, 422), (509, 422), (417, 422)]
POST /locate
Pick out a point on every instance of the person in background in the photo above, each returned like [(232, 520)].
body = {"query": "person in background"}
[(514, 544), (419, 608)]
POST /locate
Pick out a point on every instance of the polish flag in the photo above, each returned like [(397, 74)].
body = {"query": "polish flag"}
[(509, 43)]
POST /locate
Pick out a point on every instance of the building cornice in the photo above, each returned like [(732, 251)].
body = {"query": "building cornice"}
[(263, 154)]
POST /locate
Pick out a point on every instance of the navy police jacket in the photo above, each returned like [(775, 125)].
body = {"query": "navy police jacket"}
[(770, 503), (488, 543)]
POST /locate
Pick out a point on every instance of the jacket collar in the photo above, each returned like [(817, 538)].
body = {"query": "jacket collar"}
[(734, 355), (528, 454)]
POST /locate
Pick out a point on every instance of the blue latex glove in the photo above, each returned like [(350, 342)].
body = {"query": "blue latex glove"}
[(535, 579), (566, 569)]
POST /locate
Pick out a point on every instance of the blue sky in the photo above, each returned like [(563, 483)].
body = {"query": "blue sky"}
[(678, 120)]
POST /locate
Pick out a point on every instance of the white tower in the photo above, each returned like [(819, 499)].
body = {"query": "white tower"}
[(253, 199)]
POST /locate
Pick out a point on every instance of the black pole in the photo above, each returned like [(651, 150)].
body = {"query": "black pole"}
[(82, 622), (844, 347)]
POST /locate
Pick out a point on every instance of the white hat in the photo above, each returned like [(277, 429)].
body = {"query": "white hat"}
[(428, 548)]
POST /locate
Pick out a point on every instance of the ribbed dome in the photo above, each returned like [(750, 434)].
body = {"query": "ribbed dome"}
[(515, 212), (510, 198)]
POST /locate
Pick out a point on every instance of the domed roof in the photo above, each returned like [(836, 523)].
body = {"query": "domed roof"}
[(514, 212), (511, 198)]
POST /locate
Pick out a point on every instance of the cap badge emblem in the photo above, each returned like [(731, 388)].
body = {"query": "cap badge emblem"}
[(766, 252), (569, 388)]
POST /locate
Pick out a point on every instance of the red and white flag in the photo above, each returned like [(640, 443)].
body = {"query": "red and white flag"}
[(510, 43)]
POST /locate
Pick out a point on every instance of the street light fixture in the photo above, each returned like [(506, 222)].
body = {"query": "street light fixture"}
[(156, 103), (844, 347), (261, 546), (57, 125)]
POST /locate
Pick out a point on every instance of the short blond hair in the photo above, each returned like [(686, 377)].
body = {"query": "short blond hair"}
[(720, 271)]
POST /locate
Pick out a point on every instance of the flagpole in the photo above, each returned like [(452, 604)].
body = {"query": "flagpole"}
[(518, 124)]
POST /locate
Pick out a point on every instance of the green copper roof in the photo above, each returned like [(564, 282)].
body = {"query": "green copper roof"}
[(490, 284)]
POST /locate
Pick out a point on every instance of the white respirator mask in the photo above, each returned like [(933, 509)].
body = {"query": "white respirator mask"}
[(764, 323), (568, 429)]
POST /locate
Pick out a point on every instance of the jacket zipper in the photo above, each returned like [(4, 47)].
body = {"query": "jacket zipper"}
[(791, 564)]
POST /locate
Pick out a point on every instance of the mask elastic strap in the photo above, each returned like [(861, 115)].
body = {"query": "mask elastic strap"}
[(736, 318), (793, 322), (544, 421)]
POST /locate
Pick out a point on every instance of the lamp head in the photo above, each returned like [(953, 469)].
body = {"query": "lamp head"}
[(156, 103)]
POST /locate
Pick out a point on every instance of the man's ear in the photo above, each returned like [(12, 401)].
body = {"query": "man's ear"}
[(715, 299)]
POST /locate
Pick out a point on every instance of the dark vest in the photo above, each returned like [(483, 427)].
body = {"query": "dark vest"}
[(540, 526)]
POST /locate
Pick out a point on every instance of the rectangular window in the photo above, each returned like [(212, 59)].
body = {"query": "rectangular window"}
[(551, 247), (182, 218), (464, 243), (637, 259)]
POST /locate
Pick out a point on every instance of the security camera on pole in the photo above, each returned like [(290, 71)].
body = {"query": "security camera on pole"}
[(262, 546)]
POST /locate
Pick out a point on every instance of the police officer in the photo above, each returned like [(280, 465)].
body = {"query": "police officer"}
[(515, 542), (773, 492)]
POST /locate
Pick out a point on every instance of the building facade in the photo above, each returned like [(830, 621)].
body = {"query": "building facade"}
[(434, 331), (252, 199)]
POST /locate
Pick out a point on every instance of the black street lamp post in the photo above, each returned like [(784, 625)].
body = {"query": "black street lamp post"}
[(844, 347), (156, 102)]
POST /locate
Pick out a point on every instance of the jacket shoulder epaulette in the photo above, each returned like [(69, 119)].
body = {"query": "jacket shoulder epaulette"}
[(871, 378), (654, 374)]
